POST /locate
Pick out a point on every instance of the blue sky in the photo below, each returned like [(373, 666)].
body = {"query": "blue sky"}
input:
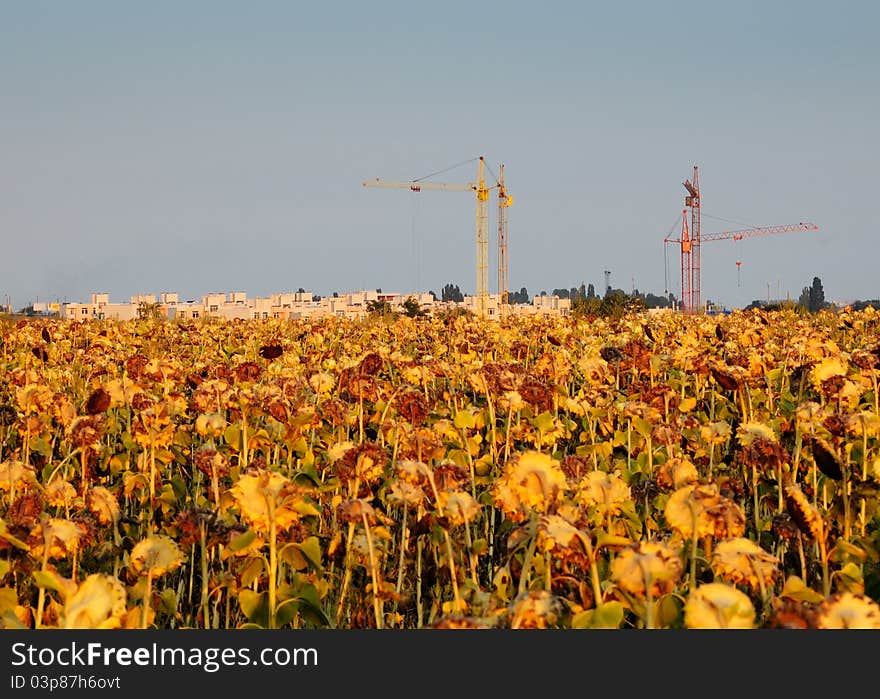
[(220, 146)]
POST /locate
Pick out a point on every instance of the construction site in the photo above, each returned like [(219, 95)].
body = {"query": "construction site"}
[(689, 241)]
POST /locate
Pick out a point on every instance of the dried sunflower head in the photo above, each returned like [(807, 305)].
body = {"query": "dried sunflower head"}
[(537, 609), (807, 517), (718, 606), (458, 506), (264, 494), (606, 492), (15, 474), (98, 603), (103, 505), (210, 424), (61, 536), (677, 473), (646, 565), (742, 562), (156, 555), (848, 611), (532, 482), (404, 494), (700, 510)]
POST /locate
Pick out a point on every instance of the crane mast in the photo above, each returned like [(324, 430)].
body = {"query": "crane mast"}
[(692, 201), (504, 201)]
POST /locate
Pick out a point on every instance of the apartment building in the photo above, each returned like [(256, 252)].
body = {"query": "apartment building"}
[(236, 305)]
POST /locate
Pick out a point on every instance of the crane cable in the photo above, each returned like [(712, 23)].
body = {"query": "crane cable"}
[(440, 172), (728, 220)]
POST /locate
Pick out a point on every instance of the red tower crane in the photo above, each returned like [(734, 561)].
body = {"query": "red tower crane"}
[(691, 239)]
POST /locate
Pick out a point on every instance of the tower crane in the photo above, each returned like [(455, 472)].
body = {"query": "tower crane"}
[(504, 201), (691, 239), (481, 192)]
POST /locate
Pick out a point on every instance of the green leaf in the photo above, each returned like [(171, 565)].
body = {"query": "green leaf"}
[(464, 420), (255, 606), (796, 589), (311, 549), (8, 620), (642, 426), (687, 405), (242, 541), (669, 609), (605, 616), (50, 580), (608, 616), (252, 571), (8, 599), (18, 543), (168, 601), (306, 509), (232, 436), (545, 422)]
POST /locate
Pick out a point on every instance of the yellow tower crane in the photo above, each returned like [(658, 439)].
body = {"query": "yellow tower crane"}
[(482, 195)]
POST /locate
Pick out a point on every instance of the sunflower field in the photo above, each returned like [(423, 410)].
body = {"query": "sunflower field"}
[(648, 471)]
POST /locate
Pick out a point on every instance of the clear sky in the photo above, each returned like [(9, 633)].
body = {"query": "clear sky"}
[(221, 146)]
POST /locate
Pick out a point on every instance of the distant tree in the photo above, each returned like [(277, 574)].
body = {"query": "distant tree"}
[(652, 301), (804, 298), (588, 306), (301, 290), (591, 291), (562, 293), (582, 291), (433, 295), (521, 296), (817, 296), (448, 314), (411, 308), (149, 311), (451, 292), (616, 303), (379, 308)]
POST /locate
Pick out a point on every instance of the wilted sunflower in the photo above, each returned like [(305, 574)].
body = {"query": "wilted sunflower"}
[(322, 383), (807, 517), (59, 493), (405, 494), (537, 609), (266, 494), (61, 536), (156, 555), (606, 492), (646, 565), (531, 482), (848, 611), (829, 368), (458, 506), (15, 474), (699, 510), (210, 424), (98, 603), (677, 473), (718, 606), (102, 503), (742, 562)]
